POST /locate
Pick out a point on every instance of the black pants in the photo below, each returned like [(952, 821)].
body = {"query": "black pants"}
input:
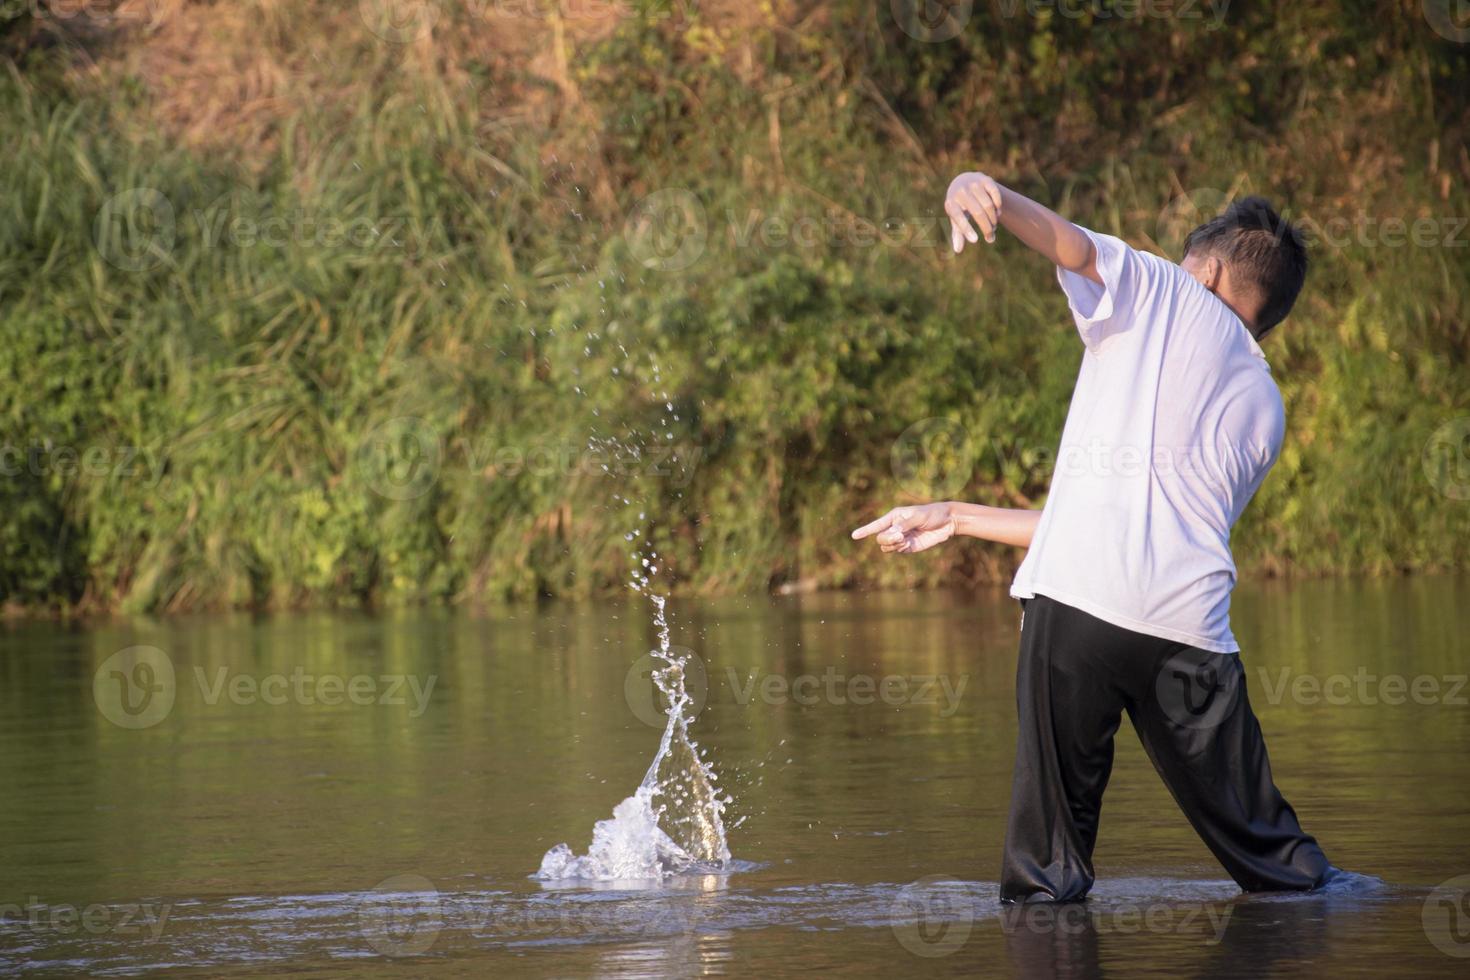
[(1076, 676)]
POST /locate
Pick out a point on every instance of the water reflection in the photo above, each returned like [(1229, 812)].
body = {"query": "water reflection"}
[(266, 827)]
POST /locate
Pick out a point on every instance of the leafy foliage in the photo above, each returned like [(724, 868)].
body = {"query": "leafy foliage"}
[(419, 354)]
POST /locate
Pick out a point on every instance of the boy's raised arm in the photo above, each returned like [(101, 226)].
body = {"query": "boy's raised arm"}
[(974, 200)]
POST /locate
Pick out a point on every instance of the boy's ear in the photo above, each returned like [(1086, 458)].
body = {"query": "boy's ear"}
[(1207, 270), (1210, 273)]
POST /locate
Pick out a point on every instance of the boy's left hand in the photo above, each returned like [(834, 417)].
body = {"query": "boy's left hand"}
[(908, 530), (972, 201)]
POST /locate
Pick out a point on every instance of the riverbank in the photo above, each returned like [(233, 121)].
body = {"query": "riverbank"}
[(306, 315)]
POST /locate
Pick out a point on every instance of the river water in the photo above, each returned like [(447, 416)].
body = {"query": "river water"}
[(353, 795)]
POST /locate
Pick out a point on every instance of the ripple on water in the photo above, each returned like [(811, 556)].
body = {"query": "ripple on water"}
[(407, 921)]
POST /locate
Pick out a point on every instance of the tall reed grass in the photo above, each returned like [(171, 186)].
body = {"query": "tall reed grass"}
[(426, 344)]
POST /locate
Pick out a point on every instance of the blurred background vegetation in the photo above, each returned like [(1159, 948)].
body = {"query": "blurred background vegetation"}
[(403, 300)]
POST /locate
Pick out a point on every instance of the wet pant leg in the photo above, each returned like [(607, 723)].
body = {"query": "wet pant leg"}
[(1075, 676)]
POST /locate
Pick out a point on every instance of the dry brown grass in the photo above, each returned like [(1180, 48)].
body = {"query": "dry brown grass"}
[(226, 77)]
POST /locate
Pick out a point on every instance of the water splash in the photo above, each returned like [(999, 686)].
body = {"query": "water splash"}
[(674, 822), (682, 783)]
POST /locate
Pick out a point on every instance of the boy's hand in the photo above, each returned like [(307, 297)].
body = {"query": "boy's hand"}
[(976, 201), (908, 530), (972, 197)]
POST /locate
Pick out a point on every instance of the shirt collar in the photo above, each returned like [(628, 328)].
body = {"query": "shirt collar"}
[(1255, 347)]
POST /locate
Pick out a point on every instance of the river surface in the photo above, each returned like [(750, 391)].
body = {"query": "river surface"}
[(354, 795)]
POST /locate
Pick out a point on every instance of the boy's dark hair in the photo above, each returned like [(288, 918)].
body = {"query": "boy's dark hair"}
[(1259, 246)]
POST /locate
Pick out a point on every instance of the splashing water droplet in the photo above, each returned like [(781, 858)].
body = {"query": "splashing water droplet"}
[(674, 821)]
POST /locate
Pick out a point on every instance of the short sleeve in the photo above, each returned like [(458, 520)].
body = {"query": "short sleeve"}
[(1102, 311)]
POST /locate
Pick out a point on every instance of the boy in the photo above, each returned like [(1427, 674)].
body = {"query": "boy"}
[(1125, 588)]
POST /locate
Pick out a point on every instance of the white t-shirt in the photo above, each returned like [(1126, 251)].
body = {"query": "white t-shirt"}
[(1174, 422)]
